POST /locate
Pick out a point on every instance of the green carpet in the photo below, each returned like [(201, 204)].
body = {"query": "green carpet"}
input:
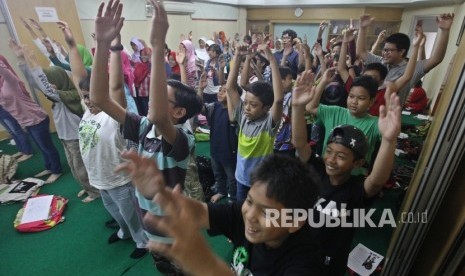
[(78, 246)]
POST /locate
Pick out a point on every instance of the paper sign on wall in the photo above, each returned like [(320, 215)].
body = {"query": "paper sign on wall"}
[(47, 14)]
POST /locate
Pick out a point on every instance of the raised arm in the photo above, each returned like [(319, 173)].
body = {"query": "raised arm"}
[(233, 97), (78, 69), (361, 48), (410, 69), (319, 55), (181, 60), (301, 95), (379, 40), (277, 107), (389, 126), (158, 104), (38, 75), (444, 22), (313, 104), (116, 73), (245, 70), (108, 24), (307, 56), (342, 68)]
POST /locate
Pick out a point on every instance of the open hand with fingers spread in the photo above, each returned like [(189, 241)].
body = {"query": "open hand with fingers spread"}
[(389, 122), (303, 91), (108, 24), (159, 24)]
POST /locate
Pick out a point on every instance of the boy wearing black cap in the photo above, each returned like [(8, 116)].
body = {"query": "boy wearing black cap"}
[(340, 192)]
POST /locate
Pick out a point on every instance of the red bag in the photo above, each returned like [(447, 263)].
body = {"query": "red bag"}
[(55, 216)]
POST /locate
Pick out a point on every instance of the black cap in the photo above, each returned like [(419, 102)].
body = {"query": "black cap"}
[(351, 137)]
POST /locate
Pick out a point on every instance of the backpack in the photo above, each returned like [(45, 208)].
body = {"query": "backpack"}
[(55, 216), (8, 167)]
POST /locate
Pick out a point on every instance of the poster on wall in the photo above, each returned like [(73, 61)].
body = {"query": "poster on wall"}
[(47, 14)]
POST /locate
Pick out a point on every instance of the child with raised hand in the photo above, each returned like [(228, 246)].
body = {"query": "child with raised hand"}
[(258, 116), (259, 249), (359, 100), (100, 137), (340, 192), (161, 135), (377, 71)]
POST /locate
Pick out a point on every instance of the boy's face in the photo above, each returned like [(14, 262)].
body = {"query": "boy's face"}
[(90, 104), (222, 94), (392, 55), (253, 107), (358, 101), (339, 160), (287, 83), (253, 213)]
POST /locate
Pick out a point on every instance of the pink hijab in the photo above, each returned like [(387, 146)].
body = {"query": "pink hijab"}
[(190, 67), (128, 72)]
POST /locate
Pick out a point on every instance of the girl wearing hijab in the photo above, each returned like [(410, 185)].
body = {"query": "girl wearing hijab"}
[(136, 46), (15, 99), (190, 62), (142, 81), (201, 52), (173, 64), (67, 111)]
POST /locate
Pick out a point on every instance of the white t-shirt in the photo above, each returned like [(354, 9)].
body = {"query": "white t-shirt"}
[(101, 143)]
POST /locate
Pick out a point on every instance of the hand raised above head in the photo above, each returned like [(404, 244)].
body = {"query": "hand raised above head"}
[(445, 20), (63, 25), (108, 24), (389, 121), (16, 48), (159, 24), (35, 24), (366, 20), (303, 91)]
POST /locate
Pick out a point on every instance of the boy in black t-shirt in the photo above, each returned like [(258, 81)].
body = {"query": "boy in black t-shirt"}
[(341, 193), (278, 183)]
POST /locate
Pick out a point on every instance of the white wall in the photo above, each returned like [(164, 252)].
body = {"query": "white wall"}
[(139, 26), (435, 77)]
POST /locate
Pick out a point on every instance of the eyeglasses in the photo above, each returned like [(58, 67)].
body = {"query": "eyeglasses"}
[(387, 50)]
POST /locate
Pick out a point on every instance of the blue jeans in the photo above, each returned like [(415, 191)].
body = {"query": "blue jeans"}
[(40, 134), (16, 132), (242, 191), (121, 203), (225, 181)]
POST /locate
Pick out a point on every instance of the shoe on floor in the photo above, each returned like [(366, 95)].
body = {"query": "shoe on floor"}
[(112, 224), (138, 253), (113, 238), (81, 193)]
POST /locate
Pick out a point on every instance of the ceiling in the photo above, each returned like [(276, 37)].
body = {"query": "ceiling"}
[(310, 3)]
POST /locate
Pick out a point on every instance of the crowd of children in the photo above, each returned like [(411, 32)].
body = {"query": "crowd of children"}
[(256, 95)]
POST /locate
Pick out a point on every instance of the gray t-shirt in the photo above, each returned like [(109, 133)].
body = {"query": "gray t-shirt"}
[(396, 71)]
